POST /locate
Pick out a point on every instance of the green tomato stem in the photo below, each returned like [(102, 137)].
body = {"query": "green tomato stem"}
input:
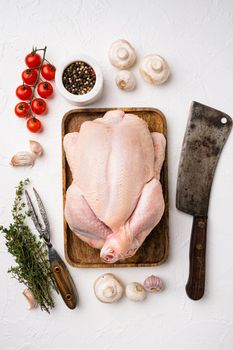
[(38, 78)]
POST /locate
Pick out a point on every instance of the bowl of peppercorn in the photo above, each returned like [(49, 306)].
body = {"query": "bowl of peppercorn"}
[(79, 79)]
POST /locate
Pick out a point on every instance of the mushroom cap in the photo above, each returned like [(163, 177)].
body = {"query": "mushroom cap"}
[(135, 291), (125, 80), (154, 69), (121, 54), (107, 288)]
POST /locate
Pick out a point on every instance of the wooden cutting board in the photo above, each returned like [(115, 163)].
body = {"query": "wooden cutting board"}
[(154, 250)]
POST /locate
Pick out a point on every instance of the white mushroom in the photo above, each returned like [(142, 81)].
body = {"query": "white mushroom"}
[(154, 69), (107, 288), (125, 80), (121, 54), (135, 291)]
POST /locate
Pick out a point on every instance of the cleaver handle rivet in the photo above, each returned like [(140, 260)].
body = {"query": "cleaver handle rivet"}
[(223, 120), (199, 247)]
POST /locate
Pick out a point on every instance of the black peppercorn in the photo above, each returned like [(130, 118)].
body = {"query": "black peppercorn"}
[(79, 78)]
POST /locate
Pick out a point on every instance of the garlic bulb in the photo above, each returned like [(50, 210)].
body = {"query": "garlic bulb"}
[(36, 148), (121, 54), (26, 158), (154, 69), (135, 291), (153, 284), (23, 159), (107, 288), (125, 80), (30, 298)]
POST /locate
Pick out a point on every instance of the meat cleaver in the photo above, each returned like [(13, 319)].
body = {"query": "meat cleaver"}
[(206, 133)]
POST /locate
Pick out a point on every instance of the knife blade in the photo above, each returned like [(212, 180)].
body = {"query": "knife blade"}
[(206, 133)]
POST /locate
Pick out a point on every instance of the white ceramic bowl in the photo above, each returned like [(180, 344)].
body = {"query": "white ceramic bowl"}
[(92, 95)]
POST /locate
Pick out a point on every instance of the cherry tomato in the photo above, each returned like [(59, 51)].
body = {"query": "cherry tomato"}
[(48, 71), (24, 92), (44, 89), (21, 109), (34, 125), (38, 106), (29, 76), (33, 60)]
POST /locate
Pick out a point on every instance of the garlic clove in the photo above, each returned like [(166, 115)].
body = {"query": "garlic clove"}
[(23, 158), (153, 284), (135, 291), (107, 288), (125, 80), (36, 148), (121, 54), (32, 302), (154, 69)]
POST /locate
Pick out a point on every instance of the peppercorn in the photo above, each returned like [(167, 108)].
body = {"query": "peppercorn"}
[(79, 78)]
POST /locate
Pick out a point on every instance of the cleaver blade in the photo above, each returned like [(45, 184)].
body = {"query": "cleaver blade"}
[(206, 133)]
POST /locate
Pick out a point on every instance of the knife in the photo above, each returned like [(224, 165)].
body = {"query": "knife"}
[(206, 133)]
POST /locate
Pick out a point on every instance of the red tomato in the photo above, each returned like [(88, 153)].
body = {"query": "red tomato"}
[(22, 109), (48, 71), (29, 76), (38, 106), (34, 125), (44, 89), (33, 60), (24, 92)]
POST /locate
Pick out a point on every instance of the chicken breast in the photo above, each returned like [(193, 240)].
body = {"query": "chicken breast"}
[(116, 198)]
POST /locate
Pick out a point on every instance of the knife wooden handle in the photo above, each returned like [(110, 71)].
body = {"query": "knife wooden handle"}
[(196, 282), (63, 279)]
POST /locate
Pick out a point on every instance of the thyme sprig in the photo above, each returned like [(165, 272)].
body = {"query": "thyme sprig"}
[(30, 253)]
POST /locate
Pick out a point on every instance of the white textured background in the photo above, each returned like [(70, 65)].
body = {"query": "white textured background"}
[(196, 38)]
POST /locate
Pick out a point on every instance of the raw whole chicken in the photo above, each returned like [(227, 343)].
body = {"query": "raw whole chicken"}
[(116, 198)]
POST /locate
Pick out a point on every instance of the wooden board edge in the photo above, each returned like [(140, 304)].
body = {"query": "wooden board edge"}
[(104, 110)]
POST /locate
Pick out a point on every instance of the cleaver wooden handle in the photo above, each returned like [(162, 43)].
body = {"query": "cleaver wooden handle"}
[(196, 282), (63, 279)]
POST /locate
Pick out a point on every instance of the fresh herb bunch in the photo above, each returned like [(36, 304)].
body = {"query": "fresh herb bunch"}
[(31, 255)]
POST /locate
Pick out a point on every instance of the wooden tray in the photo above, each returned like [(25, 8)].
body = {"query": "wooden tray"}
[(154, 250)]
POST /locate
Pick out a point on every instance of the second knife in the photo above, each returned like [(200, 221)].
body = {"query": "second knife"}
[(206, 133)]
